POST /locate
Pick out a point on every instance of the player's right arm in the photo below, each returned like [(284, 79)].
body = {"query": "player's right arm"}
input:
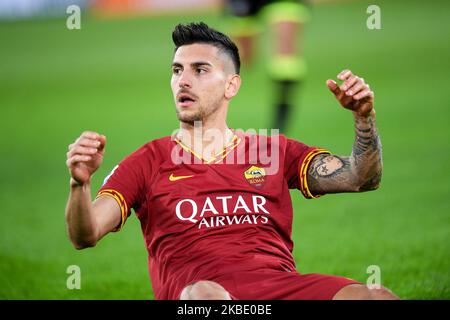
[(87, 221)]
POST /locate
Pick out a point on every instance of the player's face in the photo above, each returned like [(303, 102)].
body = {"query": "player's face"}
[(198, 82)]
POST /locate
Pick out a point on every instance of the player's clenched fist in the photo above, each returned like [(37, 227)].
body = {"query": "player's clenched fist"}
[(353, 94), (85, 156)]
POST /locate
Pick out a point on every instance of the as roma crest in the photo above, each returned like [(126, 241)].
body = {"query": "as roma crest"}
[(256, 176)]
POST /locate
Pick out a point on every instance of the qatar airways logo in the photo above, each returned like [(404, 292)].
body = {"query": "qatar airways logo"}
[(223, 210), (259, 148)]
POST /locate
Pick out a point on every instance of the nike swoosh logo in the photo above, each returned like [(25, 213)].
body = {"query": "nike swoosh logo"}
[(173, 178)]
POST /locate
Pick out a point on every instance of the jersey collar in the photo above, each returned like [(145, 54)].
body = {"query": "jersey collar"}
[(218, 157)]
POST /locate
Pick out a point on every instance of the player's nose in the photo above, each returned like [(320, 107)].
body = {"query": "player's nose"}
[(185, 81)]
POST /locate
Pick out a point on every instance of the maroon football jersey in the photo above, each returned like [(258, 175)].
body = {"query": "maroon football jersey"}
[(202, 219)]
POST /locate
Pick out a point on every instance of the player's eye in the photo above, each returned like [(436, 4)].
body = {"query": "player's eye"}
[(201, 70), (176, 71)]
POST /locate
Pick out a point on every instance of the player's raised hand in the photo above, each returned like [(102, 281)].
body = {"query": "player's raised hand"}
[(354, 94), (85, 156)]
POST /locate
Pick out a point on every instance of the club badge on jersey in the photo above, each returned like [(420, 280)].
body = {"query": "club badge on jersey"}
[(256, 176)]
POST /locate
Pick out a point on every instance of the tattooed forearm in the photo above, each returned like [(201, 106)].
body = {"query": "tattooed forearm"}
[(359, 172), (367, 155), (367, 138)]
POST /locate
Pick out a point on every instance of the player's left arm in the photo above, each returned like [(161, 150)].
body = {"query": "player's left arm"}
[(361, 171)]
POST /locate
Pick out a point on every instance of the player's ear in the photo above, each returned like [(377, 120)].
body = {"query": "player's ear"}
[(232, 86)]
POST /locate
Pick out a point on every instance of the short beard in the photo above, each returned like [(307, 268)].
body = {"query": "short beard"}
[(200, 115), (191, 118)]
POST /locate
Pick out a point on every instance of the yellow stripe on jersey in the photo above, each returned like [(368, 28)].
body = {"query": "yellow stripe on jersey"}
[(219, 156), (187, 149), (122, 204), (230, 149), (304, 173)]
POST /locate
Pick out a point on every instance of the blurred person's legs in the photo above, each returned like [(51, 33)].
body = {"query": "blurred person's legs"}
[(286, 66), (244, 26)]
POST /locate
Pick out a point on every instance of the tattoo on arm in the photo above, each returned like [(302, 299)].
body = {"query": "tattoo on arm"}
[(359, 172)]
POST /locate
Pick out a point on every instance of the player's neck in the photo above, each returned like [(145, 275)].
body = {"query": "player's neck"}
[(205, 138)]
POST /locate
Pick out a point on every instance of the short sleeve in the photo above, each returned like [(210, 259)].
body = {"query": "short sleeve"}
[(126, 184), (297, 158)]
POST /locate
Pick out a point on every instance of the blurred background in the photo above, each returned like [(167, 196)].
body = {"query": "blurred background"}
[(112, 76)]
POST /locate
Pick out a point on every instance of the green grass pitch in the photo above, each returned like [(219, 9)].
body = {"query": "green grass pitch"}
[(113, 76)]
